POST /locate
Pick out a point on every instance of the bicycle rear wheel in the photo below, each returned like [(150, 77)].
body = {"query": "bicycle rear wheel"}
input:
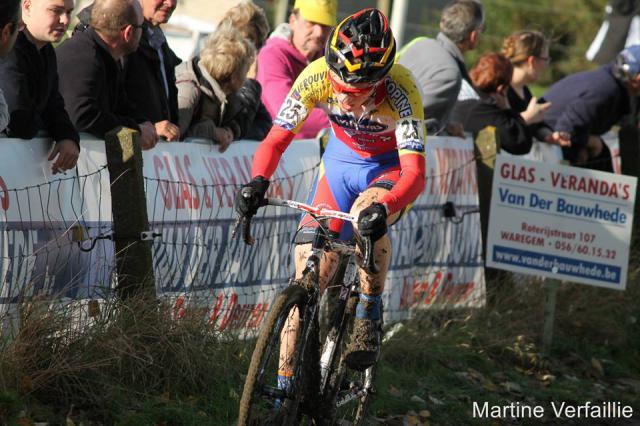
[(258, 405)]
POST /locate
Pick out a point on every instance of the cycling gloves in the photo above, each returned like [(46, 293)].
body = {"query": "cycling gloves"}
[(372, 221), (249, 197)]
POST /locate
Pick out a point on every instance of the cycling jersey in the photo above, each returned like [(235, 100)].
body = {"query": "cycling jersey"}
[(388, 135)]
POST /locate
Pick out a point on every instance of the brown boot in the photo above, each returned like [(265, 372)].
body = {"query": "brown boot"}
[(364, 347)]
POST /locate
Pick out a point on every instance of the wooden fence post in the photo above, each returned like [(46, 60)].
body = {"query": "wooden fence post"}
[(129, 208), (485, 150)]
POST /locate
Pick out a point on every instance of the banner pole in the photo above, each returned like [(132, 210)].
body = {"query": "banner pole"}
[(550, 293)]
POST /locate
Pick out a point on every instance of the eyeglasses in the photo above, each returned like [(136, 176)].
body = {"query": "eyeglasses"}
[(546, 59), (354, 91)]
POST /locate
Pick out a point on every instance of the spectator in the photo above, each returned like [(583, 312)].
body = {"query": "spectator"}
[(528, 52), (492, 76), (587, 104), (206, 83), (251, 21), (10, 24), (149, 72), (29, 79), (439, 67), (91, 81), (289, 50)]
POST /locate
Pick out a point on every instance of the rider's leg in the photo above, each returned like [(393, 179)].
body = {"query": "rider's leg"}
[(289, 335), (365, 340), (322, 193)]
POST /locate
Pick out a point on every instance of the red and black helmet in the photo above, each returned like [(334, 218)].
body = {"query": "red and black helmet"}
[(361, 48)]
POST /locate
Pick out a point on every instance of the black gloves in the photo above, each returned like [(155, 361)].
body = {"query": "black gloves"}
[(372, 222), (249, 197)]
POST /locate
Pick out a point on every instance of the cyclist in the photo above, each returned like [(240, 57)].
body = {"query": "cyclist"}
[(373, 165)]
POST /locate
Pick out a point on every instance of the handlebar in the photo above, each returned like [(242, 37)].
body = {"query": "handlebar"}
[(244, 222)]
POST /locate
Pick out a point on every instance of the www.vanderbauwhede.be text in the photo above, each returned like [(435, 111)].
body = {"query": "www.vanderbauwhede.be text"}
[(587, 410)]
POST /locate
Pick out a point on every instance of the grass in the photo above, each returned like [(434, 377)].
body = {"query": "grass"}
[(136, 365), (494, 355)]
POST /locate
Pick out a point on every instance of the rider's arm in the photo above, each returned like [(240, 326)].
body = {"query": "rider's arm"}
[(410, 138), (410, 184), (303, 96), (269, 152)]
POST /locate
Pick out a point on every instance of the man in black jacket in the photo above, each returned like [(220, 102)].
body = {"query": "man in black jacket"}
[(91, 77), (10, 24), (149, 73), (29, 79), (150, 78), (587, 104)]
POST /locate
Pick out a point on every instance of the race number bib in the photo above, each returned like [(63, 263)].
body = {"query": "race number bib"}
[(410, 134), (291, 113)]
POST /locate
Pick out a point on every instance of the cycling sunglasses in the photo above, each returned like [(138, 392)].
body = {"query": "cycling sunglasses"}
[(355, 91)]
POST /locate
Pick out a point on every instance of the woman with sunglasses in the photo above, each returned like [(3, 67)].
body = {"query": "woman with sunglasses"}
[(373, 165)]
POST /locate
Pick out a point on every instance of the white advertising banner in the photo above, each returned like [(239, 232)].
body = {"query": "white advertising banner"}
[(437, 246), (561, 222), (54, 230)]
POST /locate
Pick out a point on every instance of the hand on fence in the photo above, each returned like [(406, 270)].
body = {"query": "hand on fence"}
[(148, 135), (372, 221), (558, 138), (168, 130), (249, 197), (67, 152), (222, 136), (455, 129)]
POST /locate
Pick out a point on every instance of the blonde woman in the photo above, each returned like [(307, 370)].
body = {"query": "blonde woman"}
[(528, 52), (250, 20), (206, 84)]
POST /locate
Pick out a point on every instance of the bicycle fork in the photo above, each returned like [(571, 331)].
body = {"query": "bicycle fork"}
[(335, 335)]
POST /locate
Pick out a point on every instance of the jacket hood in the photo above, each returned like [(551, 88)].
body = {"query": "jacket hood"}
[(185, 71)]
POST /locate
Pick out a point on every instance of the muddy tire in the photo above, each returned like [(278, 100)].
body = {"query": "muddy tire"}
[(258, 403)]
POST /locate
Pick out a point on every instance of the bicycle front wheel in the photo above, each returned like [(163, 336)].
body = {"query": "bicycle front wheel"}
[(262, 402)]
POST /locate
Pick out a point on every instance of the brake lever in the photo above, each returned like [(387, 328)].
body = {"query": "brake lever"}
[(245, 222)]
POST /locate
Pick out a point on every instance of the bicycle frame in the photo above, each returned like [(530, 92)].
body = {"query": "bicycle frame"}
[(322, 242)]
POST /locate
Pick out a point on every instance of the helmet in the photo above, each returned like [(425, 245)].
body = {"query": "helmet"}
[(627, 64), (361, 48)]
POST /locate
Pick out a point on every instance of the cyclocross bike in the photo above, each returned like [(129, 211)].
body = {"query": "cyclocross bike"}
[(323, 388)]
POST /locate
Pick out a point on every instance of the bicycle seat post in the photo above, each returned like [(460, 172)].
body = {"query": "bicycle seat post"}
[(317, 247)]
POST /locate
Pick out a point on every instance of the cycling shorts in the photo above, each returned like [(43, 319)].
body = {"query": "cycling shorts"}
[(342, 177)]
